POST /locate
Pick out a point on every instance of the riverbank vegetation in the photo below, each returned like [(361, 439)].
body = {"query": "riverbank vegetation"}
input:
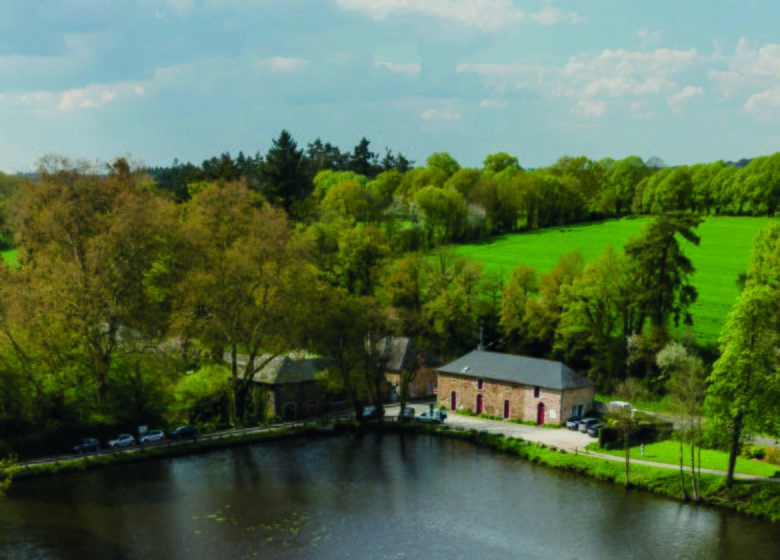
[(757, 498), (668, 452), (149, 297)]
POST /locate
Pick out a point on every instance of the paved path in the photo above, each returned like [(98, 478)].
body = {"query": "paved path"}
[(562, 438)]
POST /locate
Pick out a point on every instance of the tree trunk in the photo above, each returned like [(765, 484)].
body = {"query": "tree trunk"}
[(736, 435), (682, 472)]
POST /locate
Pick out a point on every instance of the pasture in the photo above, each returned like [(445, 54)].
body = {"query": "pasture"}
[(9, 256), (721, 256)]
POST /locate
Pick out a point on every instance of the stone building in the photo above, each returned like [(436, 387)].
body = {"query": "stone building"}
[(514, 387), (403, 355), (296, 386)]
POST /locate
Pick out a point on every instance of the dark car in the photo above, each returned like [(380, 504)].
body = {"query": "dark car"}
[(152, 435), (86, 445), (183, 432), (593, 431), (372, 413), (429, 417), (123, 440), (586, 423), (573, 423)]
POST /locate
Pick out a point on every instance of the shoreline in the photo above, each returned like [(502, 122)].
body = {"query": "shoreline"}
[(755, 498)]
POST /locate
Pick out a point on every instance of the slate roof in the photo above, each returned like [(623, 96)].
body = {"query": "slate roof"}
[(517, 369), (402, 352), (284, 369)]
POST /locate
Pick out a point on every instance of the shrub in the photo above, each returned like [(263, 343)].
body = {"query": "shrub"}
[(754, 452), (772, 455)]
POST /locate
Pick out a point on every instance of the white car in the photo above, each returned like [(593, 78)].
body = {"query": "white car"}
[(152, 435), (622, 404), (434, 417), (124, 440)]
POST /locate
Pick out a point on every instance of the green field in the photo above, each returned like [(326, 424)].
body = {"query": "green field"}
[(669, 452), (9, 256), (722, 255)]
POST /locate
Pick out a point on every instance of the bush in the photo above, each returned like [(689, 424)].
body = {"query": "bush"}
[(611, 437), (754, 452), (772, 455)]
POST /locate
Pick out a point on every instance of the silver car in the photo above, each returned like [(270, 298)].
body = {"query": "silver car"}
[(586, 423), (123, 440), (152, 435)]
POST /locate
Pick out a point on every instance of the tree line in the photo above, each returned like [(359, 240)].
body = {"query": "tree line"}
[(141, 296)]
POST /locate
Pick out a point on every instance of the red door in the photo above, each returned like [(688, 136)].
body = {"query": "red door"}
[(479, 404), (540, 414), (506, 409), (453, 400)]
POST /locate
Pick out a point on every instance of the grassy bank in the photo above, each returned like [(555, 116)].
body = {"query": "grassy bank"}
[(722, 255), (669, 452), (756, 498)]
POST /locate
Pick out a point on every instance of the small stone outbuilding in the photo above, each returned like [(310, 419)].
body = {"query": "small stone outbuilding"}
[(402, 354), (296, 386), (515, 387)]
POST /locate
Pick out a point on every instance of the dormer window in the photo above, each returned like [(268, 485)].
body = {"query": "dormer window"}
[(480, 383)]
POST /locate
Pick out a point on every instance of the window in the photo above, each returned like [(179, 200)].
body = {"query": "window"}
[(536, 392), (480, 383)]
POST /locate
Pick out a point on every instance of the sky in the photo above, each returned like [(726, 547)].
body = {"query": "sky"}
[(158, 80)]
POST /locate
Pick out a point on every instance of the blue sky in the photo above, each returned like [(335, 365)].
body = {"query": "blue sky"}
[(689, 81)]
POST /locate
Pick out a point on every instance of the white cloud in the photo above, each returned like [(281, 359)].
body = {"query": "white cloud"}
[(764, 105), (617, 86), (488, 15), (685, 94), (492, 103), (589, 108), (282, 63), (405, 68), (91, 96), (752, 69), (588, 78), (446, 115), (621, 62), (551, 15), (96, 95)]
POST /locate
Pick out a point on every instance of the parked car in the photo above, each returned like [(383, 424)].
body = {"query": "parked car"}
[(429, 417), (183, 432), (372, 413), (586, 423), (408, 414), (593, 431), (622, 404), (123, 440), (86, 445), (152, 435), (573, 423)]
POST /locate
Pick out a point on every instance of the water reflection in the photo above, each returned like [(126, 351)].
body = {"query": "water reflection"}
[(368, 496)]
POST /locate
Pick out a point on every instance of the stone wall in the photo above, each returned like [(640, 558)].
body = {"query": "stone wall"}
[(523, 405), (309, 398), (422, 386)]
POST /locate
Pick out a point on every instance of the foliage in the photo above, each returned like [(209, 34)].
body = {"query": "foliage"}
[(744, 385), (8, 468)]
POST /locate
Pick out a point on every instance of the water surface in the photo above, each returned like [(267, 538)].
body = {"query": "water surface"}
[(376, 496)]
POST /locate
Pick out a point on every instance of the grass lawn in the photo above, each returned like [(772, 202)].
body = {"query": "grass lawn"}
[(669, 452), (722, 255), (9, 256)]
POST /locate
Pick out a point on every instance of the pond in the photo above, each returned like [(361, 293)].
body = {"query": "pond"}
[(372, 496)]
